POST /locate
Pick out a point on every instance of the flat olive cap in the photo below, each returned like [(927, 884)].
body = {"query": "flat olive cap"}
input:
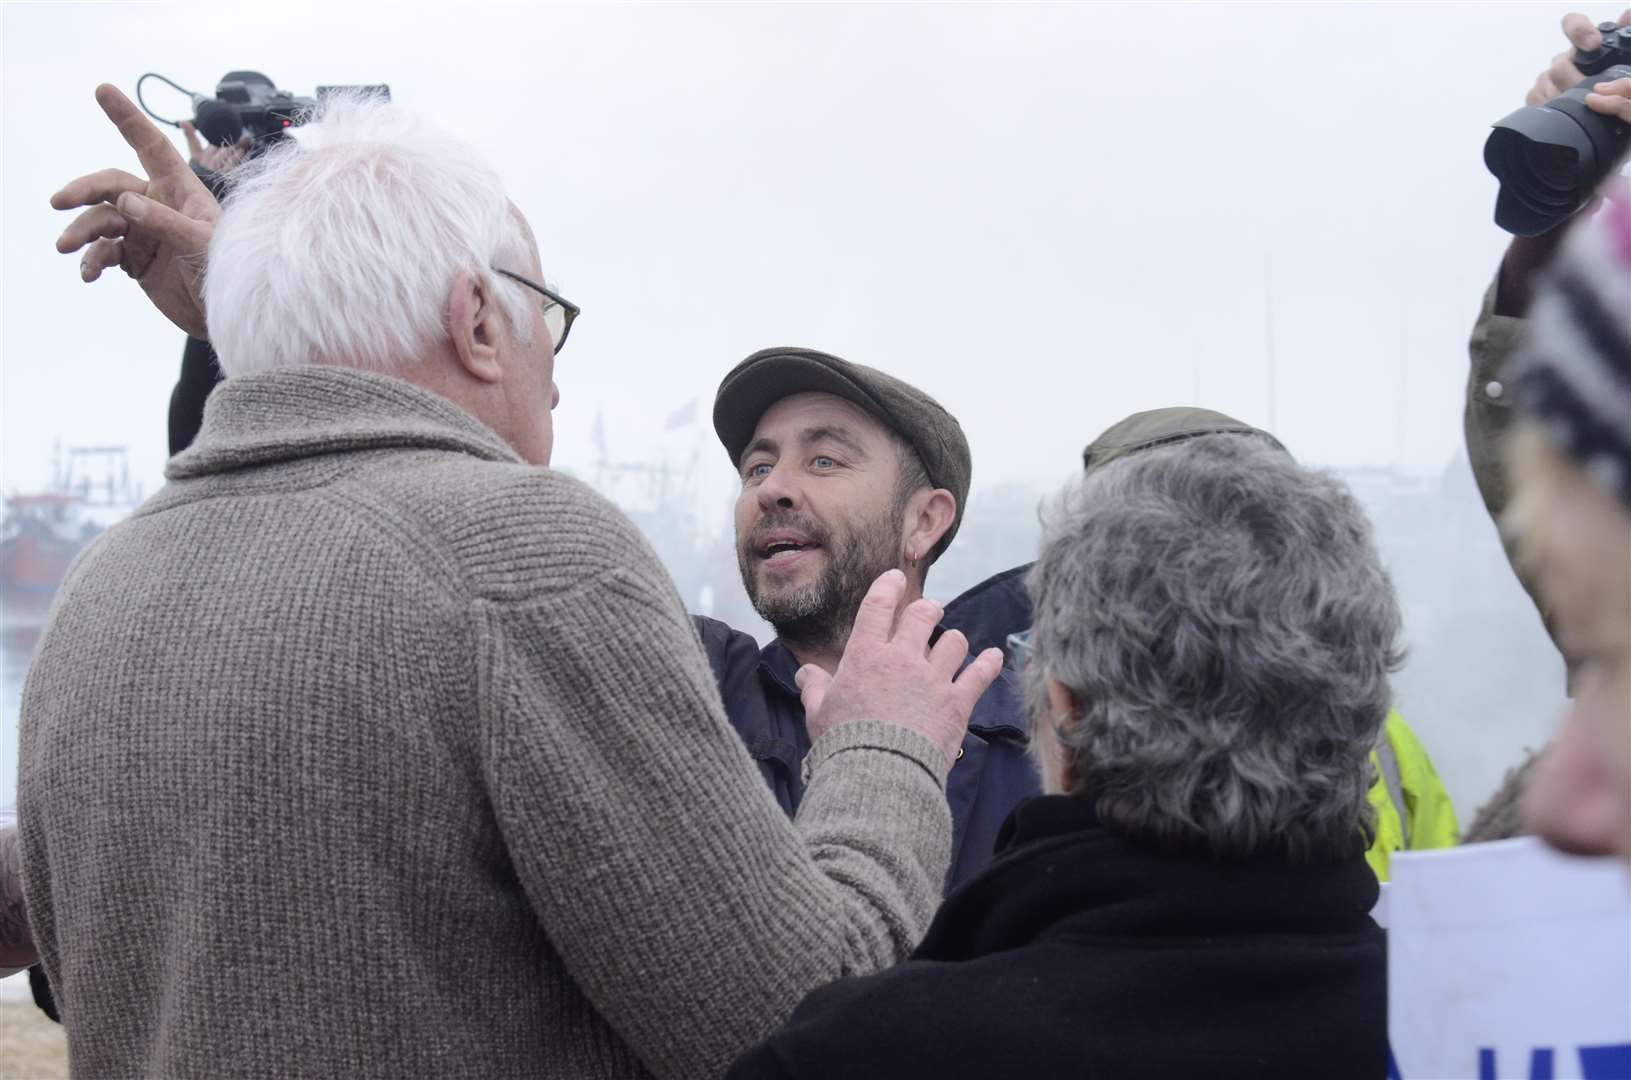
[(772, 374), (1158, 427)]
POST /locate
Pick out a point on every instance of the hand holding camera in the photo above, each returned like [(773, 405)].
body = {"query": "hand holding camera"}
[(1587, 42), (214, 159), (1552, 154)]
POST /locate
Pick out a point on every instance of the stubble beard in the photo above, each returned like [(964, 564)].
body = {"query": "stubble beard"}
[(818, 615)]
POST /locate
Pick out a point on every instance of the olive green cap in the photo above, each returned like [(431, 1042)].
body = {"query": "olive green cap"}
[(769, 375), (1159, 427)]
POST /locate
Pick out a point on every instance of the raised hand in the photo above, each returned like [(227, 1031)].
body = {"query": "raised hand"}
[(889, 672), (157, 230), (1561, 75)]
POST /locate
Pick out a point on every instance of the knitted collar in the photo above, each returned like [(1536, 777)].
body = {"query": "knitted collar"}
[(303, 412)]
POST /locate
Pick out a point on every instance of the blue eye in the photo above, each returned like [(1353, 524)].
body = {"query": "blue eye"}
[(824, 463), (757, 471)]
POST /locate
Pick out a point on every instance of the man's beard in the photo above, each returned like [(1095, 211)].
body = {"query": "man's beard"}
[(819, 614)]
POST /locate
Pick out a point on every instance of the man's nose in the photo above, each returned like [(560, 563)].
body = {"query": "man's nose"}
[(779, 490)]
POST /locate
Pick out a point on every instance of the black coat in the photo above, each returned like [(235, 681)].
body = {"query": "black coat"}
[(1080, 954)]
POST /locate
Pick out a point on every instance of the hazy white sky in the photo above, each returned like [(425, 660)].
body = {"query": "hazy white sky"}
[(1047, 216)]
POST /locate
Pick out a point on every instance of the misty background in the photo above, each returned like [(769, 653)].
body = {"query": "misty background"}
[(1047, 216)]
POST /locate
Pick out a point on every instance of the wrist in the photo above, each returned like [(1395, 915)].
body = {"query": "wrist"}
[(1520, 269)]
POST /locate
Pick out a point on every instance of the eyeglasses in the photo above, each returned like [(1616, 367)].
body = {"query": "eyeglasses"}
[(1021, 649), (559, 312)]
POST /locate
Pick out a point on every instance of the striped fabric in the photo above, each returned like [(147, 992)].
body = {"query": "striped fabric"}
[(1575, 374)]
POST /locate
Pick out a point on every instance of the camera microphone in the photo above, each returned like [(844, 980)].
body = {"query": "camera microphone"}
[(216, 121)]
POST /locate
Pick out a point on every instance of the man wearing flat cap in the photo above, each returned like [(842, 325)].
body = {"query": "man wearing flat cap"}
[(846, 472)]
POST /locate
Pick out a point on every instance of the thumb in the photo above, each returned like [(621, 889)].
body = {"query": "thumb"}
[(812, 682), (184, 232)]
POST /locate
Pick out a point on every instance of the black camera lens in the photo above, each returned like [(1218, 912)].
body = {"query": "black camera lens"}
[(1552, 169), (1550, 158)]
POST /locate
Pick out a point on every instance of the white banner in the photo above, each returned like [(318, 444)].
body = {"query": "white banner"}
[(1508, 960)]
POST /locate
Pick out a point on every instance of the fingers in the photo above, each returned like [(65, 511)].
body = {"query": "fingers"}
[(1624, 19), (1569, 800), (1612, 99), (977, 678), (195, 145), (1581, 32), (876, 616), (947, 654), (917, 622), (1542, 92), (156, 153), (188, 236), (100, 256), (94, 224), (812, 683), (104, 186), (1563, 73)]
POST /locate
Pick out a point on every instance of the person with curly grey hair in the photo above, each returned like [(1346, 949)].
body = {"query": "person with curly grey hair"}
[(1207, 675), (1215, 633)]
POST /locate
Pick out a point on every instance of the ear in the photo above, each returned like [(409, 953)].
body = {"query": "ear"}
[(928, 516), (1065, 710), (472, 325), (1062, 703)]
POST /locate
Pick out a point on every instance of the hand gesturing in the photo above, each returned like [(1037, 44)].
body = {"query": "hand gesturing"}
[(157, 230)]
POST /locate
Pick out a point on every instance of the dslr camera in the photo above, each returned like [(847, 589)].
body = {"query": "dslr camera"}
[(1550, 158)]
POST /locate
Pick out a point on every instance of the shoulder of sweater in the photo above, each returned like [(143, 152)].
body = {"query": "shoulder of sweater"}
[(515, 530)]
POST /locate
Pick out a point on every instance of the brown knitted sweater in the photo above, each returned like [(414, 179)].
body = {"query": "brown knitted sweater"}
[(364, 749)]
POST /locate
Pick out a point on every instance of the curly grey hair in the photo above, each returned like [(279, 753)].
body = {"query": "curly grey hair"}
[(1222, 619)]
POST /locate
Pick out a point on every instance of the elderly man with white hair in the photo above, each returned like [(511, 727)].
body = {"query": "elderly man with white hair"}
[(370, 746)]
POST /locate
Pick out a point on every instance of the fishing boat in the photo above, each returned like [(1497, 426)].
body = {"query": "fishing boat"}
[(41, 532)]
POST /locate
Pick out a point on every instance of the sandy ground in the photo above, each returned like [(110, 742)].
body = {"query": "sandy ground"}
[(31, 1047)]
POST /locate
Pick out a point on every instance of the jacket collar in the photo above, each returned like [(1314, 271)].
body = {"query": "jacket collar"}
[(1058, 870), (779, 665), (304, 412)]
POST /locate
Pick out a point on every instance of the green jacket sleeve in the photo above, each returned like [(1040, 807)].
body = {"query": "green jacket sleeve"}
[(1488, 415)]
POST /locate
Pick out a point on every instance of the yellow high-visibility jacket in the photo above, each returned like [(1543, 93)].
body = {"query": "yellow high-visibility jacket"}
[(1413, 811)]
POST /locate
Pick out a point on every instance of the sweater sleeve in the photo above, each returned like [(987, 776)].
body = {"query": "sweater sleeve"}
[(687, 908)]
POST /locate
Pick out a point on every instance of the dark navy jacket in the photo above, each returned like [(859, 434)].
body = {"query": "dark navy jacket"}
[(991, 610), (990, 777)]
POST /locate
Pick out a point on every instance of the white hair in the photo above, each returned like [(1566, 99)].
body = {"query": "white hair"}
[(340, 245)]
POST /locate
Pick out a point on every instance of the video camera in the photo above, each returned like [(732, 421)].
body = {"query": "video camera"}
[(249, 103), (1550, 158)]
